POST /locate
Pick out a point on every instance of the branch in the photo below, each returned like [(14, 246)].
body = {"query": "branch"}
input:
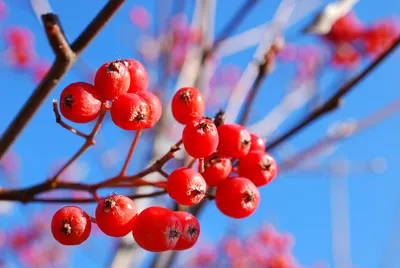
[(333, 102), (64, 60)]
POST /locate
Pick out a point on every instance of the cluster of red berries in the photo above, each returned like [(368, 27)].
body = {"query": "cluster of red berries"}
[(217, 145), (155, 229), (352, 39), (124, 83)]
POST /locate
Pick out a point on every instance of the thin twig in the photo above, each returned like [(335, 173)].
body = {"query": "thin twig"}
[(333, 102), (64, 60), (65, 125), (130, 153), (88, 143)]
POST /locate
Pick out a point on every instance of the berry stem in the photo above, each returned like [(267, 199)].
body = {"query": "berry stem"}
[(201, 165), (65, 125), (163, 173), (130, 153), (92, 219), (88, 143)]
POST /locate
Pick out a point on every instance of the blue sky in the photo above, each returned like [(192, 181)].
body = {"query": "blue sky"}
[(297, 203)]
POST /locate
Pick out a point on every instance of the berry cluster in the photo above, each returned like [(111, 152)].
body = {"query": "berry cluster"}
[(124, 83), (217, 145), (155, 229), (352, 39), (231, 159)]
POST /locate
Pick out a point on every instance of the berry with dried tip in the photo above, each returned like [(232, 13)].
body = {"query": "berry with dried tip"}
[(71, 226), (259, 167), (216, 169), (200, 138), (257, 143), (115, 215), (80, 103), (186, 186), (187, 105), (157, 229), (139, 76), (190, 230), (237, 197), (112, 80), (234, 141), (155, 108), (130, 112)]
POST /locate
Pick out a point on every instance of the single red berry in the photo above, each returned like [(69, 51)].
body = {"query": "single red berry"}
[(257, 143), (187, 105), (237, 197), (190, 230), (130, 112), (345, 56), (186, 186), (139, 77), (112, 79), (155, 108), (71, 226), (380, 36), (346, 28), (234, 141), (80, 102), (216, 169), (200, 138), (259, 167), (157, 229), (115, 215)]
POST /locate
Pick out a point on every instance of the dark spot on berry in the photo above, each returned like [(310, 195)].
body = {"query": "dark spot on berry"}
[(248, 197), (192, 230), (110, 203), (68, 101), (66, 227), (195, 192), (140, 117), (203, 126), (186, 96), (266, 164), (114, 67), (174, 233), (246, 143)]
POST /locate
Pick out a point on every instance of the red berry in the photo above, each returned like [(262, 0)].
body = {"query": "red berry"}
[(237, 197), (71, 225), (155, 108), (187, 105), (139, 77), (80, 102), (216, 169), (115, 215), (186, 186), (190, 230), (157, 229), (345, 55), (130, 112), (346, 28), (200, 138), (259, 167), (380, 36), (112, 79), (234, 141), (257, 143)]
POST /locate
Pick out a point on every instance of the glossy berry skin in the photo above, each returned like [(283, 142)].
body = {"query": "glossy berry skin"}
[(130, 112), (115, 215), (138, 75), (216, 169), (112, 80), (234, 141), (187, 105), (80, 103), (155, 108), (200, 138), (71, 226), (257, 143), (259, 167), (237, 197), (186, 186), (190, 230), (157, 229)]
